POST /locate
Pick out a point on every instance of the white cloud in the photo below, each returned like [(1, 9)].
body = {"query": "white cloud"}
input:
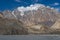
[(48, 6), (56, 3), (52, 7), (17, 0), (21, 8), (31, 7)]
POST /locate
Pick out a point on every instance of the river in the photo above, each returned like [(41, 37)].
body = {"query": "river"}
[(29, 37)]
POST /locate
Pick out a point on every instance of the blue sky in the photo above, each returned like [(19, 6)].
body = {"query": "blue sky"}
[(12, 4)]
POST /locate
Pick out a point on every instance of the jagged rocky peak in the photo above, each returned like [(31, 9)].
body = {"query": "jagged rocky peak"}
[(17, 14), (5, 12), (20, 11), (12, 27), (36, 18), (8, 14), (1, 14), (37, 13), (32, 14)]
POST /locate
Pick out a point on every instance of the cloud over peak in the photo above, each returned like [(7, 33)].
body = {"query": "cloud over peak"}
[(31, 7)]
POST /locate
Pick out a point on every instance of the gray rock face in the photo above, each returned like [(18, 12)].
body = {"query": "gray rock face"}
[(12, 27), (8, 14), (41, 15), (32, 19), (56, 25)]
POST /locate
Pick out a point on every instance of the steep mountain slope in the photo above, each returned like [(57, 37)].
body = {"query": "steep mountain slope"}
[(1, 15), (39, 29), (32, 17), (8, 14), (12, 27), (38, 19), (56, 25)]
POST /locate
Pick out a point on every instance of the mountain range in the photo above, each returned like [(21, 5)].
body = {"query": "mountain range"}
[(36, 19)]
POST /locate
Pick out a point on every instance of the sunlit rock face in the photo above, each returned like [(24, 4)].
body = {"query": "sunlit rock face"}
[(41, 15), (36, 18), (56, 25), (1, 14), (38, 29), (8, 14), (32, 14), (12, 27)]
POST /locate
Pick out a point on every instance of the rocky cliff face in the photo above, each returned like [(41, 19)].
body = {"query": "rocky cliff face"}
[(29, 21), (12, 27), (56, 25), (32, 17)]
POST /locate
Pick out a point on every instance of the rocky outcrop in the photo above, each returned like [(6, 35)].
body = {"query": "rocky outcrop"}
[(1, 14), (8, 14), (12, 27), (39, 21), (39, 29), (56, 25), (32, 17), (37, 16)]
